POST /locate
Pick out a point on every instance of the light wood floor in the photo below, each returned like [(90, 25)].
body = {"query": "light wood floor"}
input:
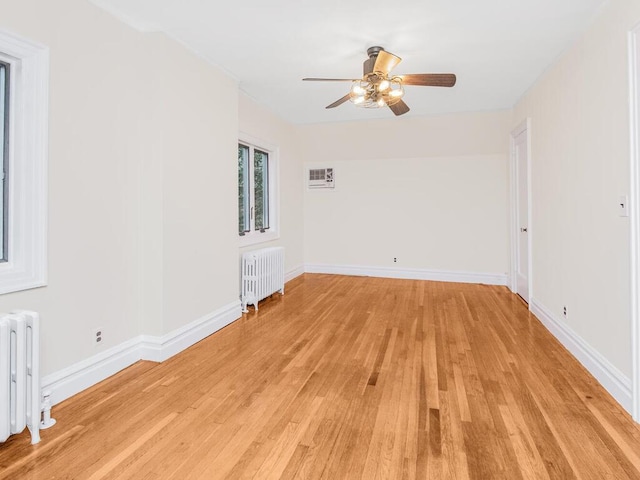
[(354, 378)]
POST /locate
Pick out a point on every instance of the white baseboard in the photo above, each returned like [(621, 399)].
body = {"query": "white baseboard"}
[(291, 274), (410, 273), (612, 379), (159, 349), (71, 380), (82, 375)]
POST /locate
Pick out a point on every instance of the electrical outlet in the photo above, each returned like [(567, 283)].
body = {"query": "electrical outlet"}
[(395, 260), (564, 311), (98, 336)]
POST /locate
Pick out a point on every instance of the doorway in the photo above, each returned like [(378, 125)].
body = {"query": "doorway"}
[(521, 211)]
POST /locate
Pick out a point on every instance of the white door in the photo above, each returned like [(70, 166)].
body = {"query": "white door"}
[(522, 215)]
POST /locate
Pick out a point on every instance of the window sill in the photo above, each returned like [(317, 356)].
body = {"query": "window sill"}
[(255, 238)]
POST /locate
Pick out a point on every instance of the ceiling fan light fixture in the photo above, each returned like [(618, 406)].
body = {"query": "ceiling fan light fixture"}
[(358, 89), (360, 93), (376, 90), (396, 89)]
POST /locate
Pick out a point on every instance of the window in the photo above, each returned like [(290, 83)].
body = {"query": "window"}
[(4, 155), (24, 82), (257, 200)]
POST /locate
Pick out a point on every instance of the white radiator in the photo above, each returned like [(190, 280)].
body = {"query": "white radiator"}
[(262, 275), (19, 374)]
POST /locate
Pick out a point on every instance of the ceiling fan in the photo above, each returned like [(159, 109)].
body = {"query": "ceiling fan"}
[(378, 88)]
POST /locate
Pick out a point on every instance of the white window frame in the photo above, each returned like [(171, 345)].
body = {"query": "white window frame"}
[(26, 265), (273, 233)]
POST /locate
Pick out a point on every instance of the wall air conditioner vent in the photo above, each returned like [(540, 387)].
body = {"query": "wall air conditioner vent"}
[(320, 178)]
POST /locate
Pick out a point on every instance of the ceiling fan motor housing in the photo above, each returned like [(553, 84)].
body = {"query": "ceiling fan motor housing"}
[(373, 51), (371, 61)]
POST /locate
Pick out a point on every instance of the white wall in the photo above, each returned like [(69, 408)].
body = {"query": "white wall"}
[(258, 122), (198, 137), (430, 191), (580, 166), (141, 177)]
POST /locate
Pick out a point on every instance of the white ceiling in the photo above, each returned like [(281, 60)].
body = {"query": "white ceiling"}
[(497, 48)]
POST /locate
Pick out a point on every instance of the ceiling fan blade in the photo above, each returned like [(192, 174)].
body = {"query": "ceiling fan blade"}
[(399, 108), (337, 103), (386, 62), (328, 80), (429, 79)]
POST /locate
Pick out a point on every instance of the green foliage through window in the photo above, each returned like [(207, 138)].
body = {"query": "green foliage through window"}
[(244, 204), (253, 189), (261, 188)]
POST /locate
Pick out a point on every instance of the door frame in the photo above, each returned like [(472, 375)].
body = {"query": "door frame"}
[(634, 213), (513, 188)]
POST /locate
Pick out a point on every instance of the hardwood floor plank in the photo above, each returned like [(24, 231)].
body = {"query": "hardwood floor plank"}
[(348, 378), (132, 447)]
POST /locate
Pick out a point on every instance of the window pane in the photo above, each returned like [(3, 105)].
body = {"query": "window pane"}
[(261, 186), (4, 153), (243, 189)]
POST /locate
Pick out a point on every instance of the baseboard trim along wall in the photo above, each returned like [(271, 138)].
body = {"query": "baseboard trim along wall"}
[(159, 349), (612, 379), (86, 373), (291, 274), (82, 375), (410, 274)]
